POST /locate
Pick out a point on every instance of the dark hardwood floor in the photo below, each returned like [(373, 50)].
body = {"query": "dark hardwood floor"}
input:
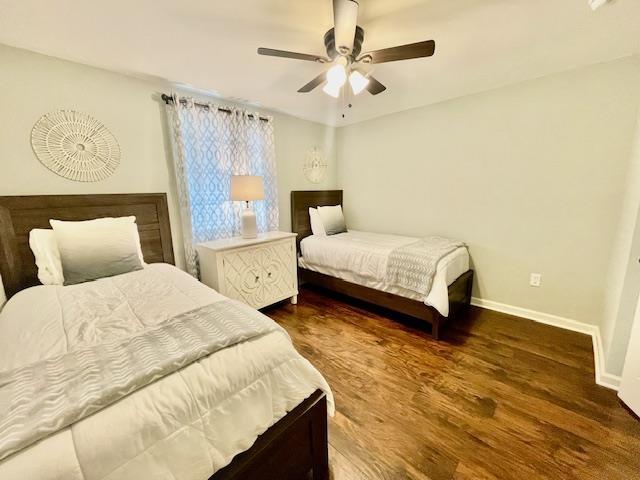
[(498, 397)]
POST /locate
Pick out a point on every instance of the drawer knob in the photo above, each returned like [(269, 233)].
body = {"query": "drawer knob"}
[(269, 274), (257, 277)]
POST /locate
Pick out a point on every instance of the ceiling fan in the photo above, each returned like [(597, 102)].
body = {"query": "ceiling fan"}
[(344, 45)]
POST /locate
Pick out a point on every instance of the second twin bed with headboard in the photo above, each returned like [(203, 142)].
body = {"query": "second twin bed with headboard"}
[(428, 278)]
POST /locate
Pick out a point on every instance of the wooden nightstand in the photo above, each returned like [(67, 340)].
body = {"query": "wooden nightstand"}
[(259, 271)]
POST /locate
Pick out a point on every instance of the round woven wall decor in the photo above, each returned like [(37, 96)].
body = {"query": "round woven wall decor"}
[(315, 165), (75, 146)]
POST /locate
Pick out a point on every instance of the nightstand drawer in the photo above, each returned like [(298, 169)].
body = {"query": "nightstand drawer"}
[(258, 274)]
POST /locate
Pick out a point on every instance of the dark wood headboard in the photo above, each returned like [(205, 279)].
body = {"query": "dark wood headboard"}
[(300, 203), (19, 215)]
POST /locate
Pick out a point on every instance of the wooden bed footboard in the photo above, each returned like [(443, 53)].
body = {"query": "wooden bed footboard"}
[(294, 448)]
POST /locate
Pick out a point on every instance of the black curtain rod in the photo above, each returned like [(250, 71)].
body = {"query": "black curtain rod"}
[(168, 98)]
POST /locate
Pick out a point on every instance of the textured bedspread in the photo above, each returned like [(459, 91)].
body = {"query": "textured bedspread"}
[(413, 266), (362, 258), (185, 425), (39, 399)]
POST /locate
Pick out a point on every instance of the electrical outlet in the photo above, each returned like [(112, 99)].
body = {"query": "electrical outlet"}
[(535, 279)]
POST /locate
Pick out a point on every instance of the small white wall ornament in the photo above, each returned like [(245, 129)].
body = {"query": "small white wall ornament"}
[(76, 146), (315, 165)]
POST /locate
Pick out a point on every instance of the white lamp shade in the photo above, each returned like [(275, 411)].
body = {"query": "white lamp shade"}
[(333, 90), (337, 75), (358, 82), (246, 187)]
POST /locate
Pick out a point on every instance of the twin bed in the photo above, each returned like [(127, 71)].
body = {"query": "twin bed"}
[(243, 405), (357, 263)]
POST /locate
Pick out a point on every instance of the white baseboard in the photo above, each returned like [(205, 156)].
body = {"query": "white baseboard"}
[(603, 378)]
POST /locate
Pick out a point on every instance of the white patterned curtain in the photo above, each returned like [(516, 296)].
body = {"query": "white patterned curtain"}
[(210, 145)]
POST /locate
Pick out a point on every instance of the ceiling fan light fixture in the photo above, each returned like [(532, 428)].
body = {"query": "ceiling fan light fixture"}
[(343, 44), (358, 82), (332, 90), (337, 75)]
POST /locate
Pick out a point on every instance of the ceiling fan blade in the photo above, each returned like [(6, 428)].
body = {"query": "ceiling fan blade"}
[(403, 52), (319, 80), (297, 56), (345, 19), (374, 87)]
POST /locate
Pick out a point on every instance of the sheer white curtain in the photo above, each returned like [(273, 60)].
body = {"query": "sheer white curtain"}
[(210, 145)]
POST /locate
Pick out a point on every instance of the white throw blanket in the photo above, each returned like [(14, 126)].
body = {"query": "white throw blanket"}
[(413, 266)]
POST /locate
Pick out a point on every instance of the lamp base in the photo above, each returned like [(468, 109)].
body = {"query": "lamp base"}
[(249, 226)]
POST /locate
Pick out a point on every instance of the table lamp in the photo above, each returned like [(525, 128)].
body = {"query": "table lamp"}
[(246, 188)]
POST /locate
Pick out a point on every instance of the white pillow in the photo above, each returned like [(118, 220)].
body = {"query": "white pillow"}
[(97, 248), (332, 219), (316, 223), (45, 250)]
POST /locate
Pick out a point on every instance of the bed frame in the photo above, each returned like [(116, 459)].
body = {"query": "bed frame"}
[(459, 291), (294, 448)]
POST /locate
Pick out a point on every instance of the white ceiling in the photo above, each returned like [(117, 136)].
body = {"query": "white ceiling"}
[(211, 44)]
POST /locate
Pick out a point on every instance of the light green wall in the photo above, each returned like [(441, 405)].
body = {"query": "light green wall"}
[(293, 138), (531, 176), (32, 85)]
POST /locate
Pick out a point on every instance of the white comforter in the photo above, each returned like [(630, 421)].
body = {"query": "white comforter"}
[(361, 258), (185, 426)]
